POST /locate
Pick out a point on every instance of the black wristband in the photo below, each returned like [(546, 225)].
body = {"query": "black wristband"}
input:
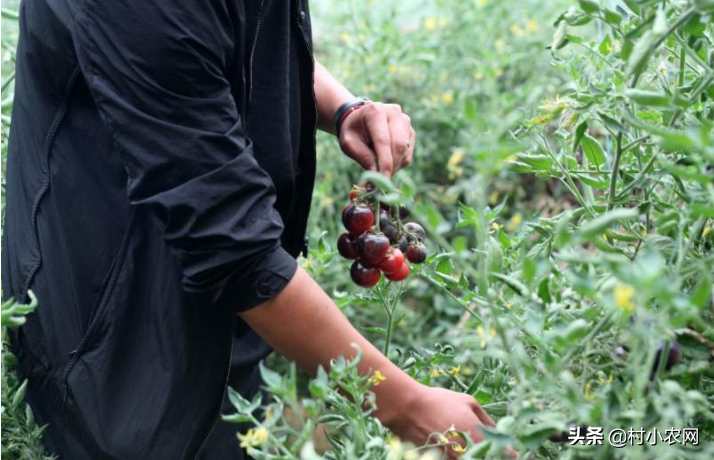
[(344, 108)]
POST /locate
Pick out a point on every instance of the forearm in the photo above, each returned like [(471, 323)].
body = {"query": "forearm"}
[(303, 324), (330, 95)]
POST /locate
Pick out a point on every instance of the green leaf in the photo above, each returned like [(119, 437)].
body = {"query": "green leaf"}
[(470, 109), (596, 182), (595, 227), (649, 98), (612, 17), (271, 378), (579, 132), (593, 150), (559, 36), (536, 161), (589, 6)]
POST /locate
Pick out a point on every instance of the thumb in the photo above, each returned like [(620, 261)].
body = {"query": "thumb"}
[(360, 152)]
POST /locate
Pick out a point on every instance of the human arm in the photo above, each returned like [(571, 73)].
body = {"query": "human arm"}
[(377, 136), (303, 324), (162, 86)]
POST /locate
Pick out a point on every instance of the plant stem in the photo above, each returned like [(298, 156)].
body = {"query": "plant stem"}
[(613, 175)]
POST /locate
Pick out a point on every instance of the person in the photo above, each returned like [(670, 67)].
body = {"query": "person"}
[(159, 176)]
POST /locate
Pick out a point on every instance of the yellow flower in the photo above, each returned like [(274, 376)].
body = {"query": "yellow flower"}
[(368, 58), (253, 438), (623, 294), (430, 455), (453, 164), (517, 31), (447, 98), (498, 73), (532, 26), (378, 378), (707, 230), (480, 2), (496, 226), (454, 371), (456, 158), (443, 22), (510, 159), (457, 448), (435, 372), (493, 197), (484, 337), (509, 305), (500, 45), (601, 380), (514, 222), (430, 23), (451, 432), (588, 392), (478, 75), (344, 37), (443, 439), (393, 69), (395, 448)]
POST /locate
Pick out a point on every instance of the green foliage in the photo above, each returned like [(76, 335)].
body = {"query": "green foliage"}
[(21, 436), (564, 176)]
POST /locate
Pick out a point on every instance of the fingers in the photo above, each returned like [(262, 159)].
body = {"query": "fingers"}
[(400, 129), (358, 150), (412, 146), (377, 125), (481, 413), (379, 137)]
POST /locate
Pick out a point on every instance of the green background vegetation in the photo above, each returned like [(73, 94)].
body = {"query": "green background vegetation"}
[(564, 174)]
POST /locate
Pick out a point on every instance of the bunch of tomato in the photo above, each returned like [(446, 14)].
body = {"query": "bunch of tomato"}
[(377, 240)]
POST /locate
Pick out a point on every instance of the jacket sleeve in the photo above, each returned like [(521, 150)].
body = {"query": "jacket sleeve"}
[(156, 70)]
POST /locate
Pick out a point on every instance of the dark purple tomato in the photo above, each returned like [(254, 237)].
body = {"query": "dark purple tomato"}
[(416, 253), (359, 219), (403, 244), (364, 276), (386, 226), (347, 247), (415, 231), (368, 186), (345, 211), (372, 248), (675, 353)]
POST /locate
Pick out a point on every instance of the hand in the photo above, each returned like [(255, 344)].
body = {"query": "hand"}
[(379, 137), (435, 410)]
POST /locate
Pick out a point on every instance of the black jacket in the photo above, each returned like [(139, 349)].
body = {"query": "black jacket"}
[(159, 176)]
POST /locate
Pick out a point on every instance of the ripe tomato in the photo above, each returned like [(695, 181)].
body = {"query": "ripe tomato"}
[(346, 246), (359, 219), (393, 261), (401, 273), (364, 276), (372, 248)]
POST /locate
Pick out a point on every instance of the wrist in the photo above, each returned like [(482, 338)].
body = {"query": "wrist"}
[(396, 403), (345, 110)]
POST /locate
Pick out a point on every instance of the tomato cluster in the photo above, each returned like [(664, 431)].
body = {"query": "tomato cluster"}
[(377, 240)]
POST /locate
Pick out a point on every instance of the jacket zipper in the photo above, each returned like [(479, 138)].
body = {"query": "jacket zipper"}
[(220, 406), (314, 102), (252, 50)]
